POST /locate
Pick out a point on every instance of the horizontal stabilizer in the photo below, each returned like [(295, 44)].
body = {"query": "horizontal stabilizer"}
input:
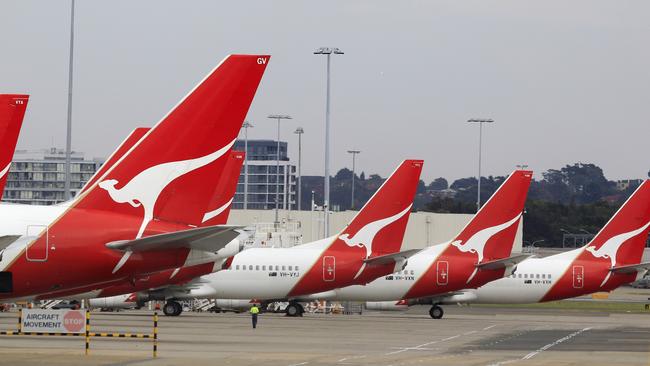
[(503, 263), (632, 268), (210, 239), (391, 258)]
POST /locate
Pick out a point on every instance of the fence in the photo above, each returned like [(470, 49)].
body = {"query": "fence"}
[(87, 334)]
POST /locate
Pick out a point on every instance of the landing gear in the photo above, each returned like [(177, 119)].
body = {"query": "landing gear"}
[(436, 312), (172, 308), (294, 309)]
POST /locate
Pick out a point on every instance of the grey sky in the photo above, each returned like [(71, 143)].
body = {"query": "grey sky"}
[(565, 81)]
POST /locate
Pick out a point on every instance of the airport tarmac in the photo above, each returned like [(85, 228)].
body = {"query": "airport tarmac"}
[(466, 336)]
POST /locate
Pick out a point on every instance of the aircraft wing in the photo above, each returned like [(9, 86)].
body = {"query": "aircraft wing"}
[(645, 266), (391, 258), (503, 263), (209, 239)]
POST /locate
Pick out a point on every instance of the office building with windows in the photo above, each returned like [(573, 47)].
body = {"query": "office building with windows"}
[(263, 179), (37, 177)]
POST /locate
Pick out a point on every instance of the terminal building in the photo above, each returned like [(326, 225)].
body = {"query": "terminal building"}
[(37, 177)]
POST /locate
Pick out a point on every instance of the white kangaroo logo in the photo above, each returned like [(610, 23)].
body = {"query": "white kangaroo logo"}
[(476, 243), (145, 188), (366, 235), (216, 212), (610, 248), (5, 170)]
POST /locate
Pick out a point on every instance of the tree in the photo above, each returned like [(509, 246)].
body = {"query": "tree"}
[(438, 184)]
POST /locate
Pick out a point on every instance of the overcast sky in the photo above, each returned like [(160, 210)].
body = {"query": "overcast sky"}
[(565, 81)]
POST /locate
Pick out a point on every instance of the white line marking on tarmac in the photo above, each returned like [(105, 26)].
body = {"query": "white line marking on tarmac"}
[(299, 364), (490, 327), (563, 339), (351, 358), (544, 348), (420, 347)]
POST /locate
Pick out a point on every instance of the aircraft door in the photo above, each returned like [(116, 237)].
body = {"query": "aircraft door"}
[(578, 276), (329, 268), (37, 251), (442, 273)]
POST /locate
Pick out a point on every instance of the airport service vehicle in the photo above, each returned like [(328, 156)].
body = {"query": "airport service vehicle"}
[(12, 111), (143, 215), (611, 259), (368, 248), (479, 254)]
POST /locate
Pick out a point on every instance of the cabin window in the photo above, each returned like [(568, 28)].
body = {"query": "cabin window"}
[(250, 267), (257, 267), (537, 276), (543, 275), (264, 268), (297, 268), (549, 276), (291, 268), (526, 275), (284, 268)]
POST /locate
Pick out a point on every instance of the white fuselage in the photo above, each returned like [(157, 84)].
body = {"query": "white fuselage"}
[(532, 279), (260, 273), (393, 286), (237, 283)]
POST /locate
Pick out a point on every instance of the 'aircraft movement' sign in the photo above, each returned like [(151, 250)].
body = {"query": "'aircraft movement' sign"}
[(52, 321)]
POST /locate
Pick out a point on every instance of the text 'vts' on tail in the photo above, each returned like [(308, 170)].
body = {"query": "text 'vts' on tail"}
[(170, 173), (12, 111)]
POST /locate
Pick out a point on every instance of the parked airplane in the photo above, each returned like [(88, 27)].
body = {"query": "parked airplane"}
[(611, 259), (12, 111), (364, 250), (142, 215), (479, 254)]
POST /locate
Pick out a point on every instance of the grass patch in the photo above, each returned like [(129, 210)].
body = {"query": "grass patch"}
[(595, 306)]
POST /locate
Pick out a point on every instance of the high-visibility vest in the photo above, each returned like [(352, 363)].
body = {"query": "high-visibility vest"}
[(255, 310)]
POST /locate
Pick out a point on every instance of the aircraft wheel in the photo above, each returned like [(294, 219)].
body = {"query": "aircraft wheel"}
[(172, 308), (294, 309), (436, 312)]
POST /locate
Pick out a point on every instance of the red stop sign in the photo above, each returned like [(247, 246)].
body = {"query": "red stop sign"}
[(73, 321)]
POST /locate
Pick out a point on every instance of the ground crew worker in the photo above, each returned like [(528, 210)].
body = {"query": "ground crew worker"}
[(254, 311)]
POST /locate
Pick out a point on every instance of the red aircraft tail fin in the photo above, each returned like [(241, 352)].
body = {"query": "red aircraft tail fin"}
[(125, 146), (381, 223), (168, 173), (491, 233), (221, 200), (623, 239), (12, 111)]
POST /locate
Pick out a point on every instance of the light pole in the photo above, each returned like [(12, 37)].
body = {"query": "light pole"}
[(279, 117), (480, 122), (68, 139), (299, 131), (326, 196), (246, 126), (521, 166), (354, 155)]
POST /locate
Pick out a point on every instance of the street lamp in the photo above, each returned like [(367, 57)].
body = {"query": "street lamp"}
[(68, 138), (480, 122), (326, 196), (246, 126), (521, 166), (354, 155), (299, 131), (279, 117)]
